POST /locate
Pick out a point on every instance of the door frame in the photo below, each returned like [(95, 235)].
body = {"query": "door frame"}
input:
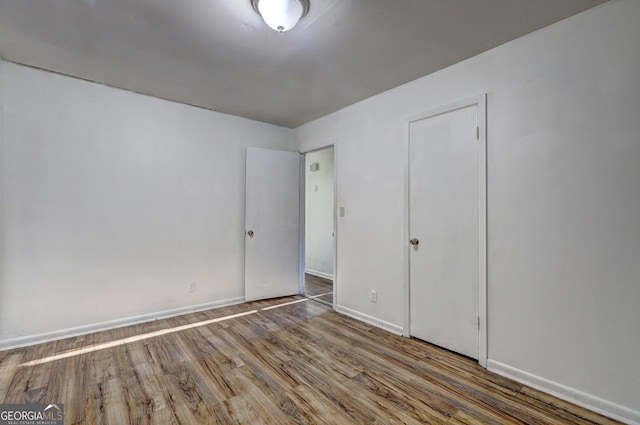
[(481, 102), (302, 259)]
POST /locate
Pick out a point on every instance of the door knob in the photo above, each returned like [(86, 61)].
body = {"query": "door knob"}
[(250, 233), (415, 241)]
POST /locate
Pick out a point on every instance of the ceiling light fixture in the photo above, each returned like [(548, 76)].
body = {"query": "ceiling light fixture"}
[(281, 15)]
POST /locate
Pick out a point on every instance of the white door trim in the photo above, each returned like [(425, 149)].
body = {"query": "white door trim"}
[(302, 222), (481, 103)]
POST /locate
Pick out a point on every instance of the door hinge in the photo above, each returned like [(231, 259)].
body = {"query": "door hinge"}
[(478, 321), (477, 133)]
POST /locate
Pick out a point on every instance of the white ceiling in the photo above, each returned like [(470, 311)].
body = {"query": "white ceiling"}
[(218, 54)]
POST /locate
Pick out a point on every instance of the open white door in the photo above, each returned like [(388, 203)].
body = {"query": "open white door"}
[(272, 224)]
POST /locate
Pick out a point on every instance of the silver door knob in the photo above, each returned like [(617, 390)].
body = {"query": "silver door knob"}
[(415, 241), (250, 233)]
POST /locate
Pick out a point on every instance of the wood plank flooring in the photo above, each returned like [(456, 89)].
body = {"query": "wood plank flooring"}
[(285, 361), (314, 285)]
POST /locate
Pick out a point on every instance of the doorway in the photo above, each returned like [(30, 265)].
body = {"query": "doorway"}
[(319, 225)]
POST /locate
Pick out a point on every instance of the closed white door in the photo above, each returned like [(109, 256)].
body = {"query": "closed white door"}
[(443, 220), (272, 224)]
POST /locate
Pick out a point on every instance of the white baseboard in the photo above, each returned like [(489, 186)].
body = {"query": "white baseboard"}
[(591, 402), (319, 274), (25, 341), (370, 320)]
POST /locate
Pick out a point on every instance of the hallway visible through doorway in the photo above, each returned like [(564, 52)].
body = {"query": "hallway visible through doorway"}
[(315, 285), (319, 224)]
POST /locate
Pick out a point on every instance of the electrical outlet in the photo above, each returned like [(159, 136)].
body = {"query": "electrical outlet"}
[(192, 287), (373, 297)]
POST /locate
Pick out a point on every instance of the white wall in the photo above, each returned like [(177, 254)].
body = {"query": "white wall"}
[(114, 202), (563, 202), (319, 196)]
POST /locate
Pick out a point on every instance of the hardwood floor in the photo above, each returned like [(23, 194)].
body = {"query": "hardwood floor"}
[(285, 361), (314, 285)]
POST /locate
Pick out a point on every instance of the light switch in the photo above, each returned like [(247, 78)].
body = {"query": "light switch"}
[(316, 188), (341, 211)]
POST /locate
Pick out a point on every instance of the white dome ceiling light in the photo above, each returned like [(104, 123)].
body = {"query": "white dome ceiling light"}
[(281, 15)]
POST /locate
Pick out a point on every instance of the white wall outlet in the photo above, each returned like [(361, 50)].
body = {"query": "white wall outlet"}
[(192, 287), (373, 297)]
